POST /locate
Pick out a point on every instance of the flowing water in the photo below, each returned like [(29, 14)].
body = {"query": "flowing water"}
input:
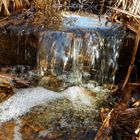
[(86, 50), (73, 61)]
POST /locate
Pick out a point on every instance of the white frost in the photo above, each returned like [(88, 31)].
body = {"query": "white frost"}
[(78, 96), (23, 101)]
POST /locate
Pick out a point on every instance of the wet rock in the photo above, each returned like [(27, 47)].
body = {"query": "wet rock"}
[(15, 49), (43, 133), (52, 83), (17, 77)]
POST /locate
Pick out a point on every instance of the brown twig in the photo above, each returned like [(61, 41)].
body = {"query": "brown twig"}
[(6, 7), (124, 12), (113, 116), (136, 45), (134, 84), (102, 6), (35, 127)]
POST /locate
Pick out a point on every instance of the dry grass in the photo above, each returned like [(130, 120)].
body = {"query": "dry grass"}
[(42, 4), (132, 6), (4, 4), (8, 6), (45, 9)]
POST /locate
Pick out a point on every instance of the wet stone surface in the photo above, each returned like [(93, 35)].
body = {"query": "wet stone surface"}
[(58, 120), (74, 116), (63, 120), (18, 76)]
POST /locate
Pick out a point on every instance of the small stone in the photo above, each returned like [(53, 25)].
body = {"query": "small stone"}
[(43, 133)]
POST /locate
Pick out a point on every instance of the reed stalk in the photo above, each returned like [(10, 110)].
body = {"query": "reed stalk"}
[(132, 6), (18, 4), (5, 7)]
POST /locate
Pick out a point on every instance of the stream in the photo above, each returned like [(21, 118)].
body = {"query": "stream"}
[(73, 63)]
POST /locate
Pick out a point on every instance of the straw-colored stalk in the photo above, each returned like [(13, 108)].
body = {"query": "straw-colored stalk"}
[(18, 4), (42, 4), (132, 6), (5, 4)]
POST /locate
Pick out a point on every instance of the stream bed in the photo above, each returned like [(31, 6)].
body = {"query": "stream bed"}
[(37, 113), (44, 114)]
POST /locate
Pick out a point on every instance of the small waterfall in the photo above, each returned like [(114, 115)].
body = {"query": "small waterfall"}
[(79, 55), (65, 58), (81, 50)]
